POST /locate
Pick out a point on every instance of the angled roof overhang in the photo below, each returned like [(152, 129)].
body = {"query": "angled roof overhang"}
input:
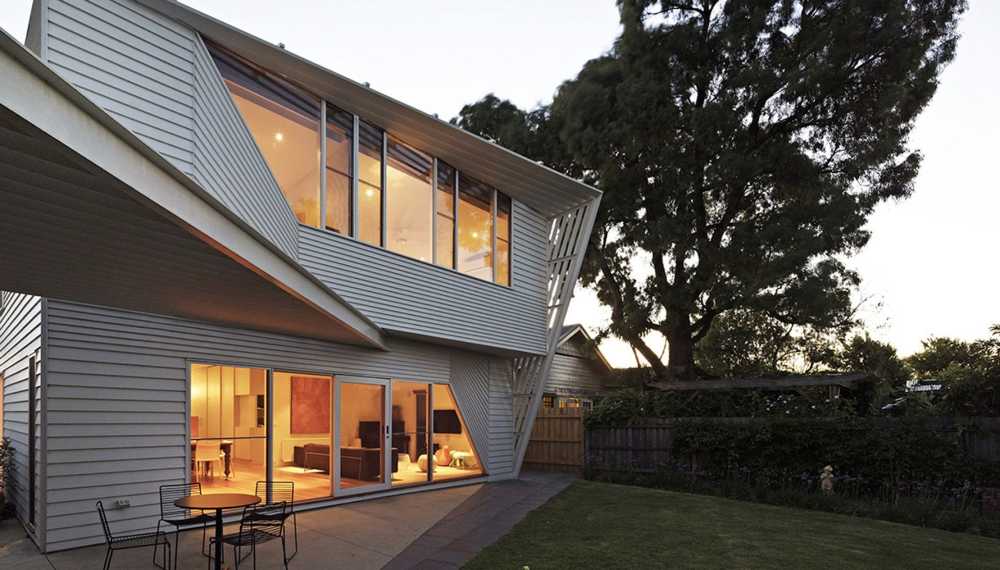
[(89, 213), (547, 191)]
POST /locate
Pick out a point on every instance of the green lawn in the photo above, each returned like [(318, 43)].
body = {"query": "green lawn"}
[(599, 525)]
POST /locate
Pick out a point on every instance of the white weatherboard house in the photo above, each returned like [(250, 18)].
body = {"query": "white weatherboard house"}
[(223, 263)]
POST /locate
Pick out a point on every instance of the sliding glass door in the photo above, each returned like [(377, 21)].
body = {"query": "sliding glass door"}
[(228, 427), (362, 461), (302, 433), (331, 436)]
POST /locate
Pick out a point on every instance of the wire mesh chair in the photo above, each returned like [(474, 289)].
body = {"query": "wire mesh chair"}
[(281, 491), (259, 524), (133, 540), (171, 514)]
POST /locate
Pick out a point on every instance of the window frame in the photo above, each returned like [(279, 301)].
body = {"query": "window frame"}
[(324, 104)]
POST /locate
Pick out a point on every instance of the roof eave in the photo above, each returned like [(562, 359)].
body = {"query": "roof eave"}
[(544, 189)]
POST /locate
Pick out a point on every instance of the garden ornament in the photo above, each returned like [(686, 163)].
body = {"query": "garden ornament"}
[(826, 480)]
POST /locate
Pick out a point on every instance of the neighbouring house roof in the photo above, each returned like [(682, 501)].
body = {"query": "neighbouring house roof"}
[(570, 331), (92, 214), (549, 192)]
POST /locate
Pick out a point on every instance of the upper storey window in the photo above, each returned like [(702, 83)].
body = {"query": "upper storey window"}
[(343, 174), (409, 201), (370, 143), (475, 228), (339, 170), (285, 124)]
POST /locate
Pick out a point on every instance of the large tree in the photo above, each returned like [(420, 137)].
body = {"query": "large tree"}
[(741, 147)]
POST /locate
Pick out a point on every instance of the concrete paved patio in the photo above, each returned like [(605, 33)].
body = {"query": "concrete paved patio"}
[(440, 528), (360, 535)]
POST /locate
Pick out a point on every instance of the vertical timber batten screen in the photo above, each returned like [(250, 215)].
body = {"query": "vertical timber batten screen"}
[(568, 238)]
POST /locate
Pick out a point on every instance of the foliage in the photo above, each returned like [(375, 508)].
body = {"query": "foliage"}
[(917, 471), (6, 473), (741, 148), (626, 406), (879, 457), (969, 373)]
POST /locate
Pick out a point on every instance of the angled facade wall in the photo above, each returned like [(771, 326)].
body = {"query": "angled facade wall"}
[(154, 76), (420, 299), (117, 397), (20, 340)]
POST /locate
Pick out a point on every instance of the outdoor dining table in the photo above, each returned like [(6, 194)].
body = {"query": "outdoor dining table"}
[(217, 502)]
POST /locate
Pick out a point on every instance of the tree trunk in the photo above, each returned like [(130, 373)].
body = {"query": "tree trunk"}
[(680, 355)]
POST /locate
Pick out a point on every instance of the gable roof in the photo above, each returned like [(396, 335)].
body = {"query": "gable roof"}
[(115, 223), (547, 191), (570, 331)]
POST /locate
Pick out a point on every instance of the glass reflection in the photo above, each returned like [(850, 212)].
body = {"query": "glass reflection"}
[(475, 228), (409, 208)]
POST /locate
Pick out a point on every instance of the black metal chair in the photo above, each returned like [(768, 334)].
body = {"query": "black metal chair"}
[(281, 491), (171, 514), (134, 540), (259, 524)]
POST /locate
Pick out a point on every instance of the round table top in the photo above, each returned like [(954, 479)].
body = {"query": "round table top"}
[(217, 501)]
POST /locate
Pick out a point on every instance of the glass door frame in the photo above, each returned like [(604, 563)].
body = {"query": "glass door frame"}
[(386, 483)]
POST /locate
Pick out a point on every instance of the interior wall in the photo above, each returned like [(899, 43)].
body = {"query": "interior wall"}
[(359, 402), (284, 440)]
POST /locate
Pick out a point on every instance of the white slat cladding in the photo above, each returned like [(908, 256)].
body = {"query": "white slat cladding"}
[(20, 338), (568, 239), (403, 295), (155, 77), (470, 381), (228, 162), (134, 63), (501, 425), (116, 401), (575, 374)]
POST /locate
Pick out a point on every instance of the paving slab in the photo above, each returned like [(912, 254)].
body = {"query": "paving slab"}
[(481, 520), (363, 535)]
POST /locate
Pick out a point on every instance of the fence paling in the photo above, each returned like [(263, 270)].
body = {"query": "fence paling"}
[(647, 445), (556, 441)]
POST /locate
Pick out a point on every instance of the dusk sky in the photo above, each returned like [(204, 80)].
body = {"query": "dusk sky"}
[(932, 265)]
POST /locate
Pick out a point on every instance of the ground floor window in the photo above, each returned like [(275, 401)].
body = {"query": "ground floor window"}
[(330, 435)]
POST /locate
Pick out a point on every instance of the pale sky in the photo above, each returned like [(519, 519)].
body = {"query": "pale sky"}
[(932, 266)]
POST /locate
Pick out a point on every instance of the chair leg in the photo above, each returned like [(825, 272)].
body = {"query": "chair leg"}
[(204, 537), (284, 553), (107, 559), (295, 531)]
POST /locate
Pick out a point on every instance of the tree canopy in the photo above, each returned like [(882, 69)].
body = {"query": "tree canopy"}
[(741, 147)]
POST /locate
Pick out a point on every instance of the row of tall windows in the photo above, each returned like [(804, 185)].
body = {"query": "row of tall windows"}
[(371, 186)]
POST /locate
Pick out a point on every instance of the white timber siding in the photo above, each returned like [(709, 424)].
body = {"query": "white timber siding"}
[(117, 402), (137, 66), (228, 161), (576, 374), (154, 76), (500, 462), (20, 339), (406, 296)]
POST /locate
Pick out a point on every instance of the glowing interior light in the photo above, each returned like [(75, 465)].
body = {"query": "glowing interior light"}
[(369, 192), (279, 137), (475, 235)]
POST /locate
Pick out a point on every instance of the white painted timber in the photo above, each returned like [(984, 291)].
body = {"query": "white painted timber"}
[(154, 76), (417, 299), (20, 339), (117, 394)]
